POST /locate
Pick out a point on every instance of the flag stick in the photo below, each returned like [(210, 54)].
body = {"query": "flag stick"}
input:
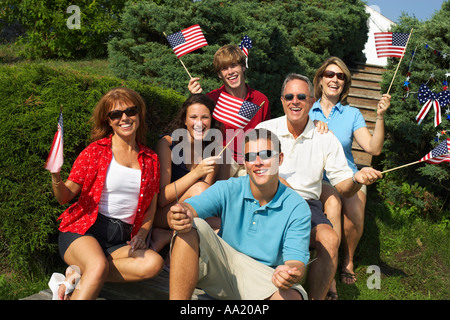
[(406, 165), (235, 135), (410, 164), (181, 61), (404, 51)]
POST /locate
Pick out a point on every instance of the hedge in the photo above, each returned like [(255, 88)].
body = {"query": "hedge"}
[(31, 96)]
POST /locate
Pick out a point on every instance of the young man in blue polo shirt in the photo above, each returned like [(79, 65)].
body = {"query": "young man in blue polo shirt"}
[(262, 247)]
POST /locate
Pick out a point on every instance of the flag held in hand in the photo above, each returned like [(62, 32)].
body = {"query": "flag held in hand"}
[(187, 40), (233, 111), (55, 158)]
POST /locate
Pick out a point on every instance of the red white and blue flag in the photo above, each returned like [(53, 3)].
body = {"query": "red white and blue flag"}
[(233, 111), (246, 44), (390, 44), (187, 40), (55, 158), (439, 154)]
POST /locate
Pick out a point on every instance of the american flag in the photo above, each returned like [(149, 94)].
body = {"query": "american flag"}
[(390, 44), (439, 154), (187, 40), (246, 44), (55, 158), (233, 111)]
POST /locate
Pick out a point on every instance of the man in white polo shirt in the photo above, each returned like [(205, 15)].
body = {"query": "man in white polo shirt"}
[(307, 154)]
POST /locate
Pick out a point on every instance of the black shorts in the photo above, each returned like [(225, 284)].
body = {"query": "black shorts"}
[(110, 233), (317, 215)]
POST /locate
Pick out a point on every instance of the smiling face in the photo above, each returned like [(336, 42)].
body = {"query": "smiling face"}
[(262, 167), (297, 110), (332, 87), (198, 120), (232, 76), (125, 126)]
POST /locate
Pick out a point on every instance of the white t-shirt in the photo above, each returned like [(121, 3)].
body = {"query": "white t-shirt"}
[(120, 194), (306, 157)]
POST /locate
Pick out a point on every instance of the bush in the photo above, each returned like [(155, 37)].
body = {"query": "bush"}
[(288, 36), (31, 98), (407, 141), (47, 34)]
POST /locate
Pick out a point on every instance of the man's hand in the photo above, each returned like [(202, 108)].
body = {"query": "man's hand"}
[(367, 176), (284, 276), (180, 218), (194, 86)]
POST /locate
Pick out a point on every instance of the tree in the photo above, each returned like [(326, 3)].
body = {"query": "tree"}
[(287, 36), (52, 30), (427, 60)]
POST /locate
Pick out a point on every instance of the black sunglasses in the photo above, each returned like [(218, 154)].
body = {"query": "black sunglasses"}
[(330, 74), (263, 155), (290, 96), (117, 114)]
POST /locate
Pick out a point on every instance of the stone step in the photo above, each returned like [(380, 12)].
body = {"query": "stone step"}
[(152, 289)]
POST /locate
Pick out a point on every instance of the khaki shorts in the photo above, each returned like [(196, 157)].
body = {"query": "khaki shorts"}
[(363, 187), (236, 169), (225, 273)]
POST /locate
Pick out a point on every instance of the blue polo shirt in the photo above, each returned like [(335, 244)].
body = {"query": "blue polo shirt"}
[(343, 121), (271, 234)]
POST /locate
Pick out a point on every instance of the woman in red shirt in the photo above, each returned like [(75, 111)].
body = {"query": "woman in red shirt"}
[(104, 233)]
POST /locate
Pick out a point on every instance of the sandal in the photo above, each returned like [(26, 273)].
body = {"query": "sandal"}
[(331, 295), (348, 276)]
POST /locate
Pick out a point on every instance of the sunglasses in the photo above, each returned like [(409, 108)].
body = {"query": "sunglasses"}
[(263, 155), (117, 114), (290, 96), (330, 74)]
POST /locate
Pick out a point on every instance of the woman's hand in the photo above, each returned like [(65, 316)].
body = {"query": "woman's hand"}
[(383, 105), (136, 243), (206, 166)]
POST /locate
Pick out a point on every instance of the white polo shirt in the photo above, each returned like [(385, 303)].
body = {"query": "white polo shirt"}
[(306, 157)]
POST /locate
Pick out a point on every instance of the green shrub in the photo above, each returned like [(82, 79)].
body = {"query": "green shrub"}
[(47, 34), (31, 98), (288, 36)]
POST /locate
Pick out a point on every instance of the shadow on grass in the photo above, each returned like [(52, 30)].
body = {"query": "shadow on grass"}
[(368, 252)]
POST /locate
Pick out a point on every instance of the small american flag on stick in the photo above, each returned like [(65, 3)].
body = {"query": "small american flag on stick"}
[(435, 156), (233, 111), (187, 40), (55, 158), (391, 44), (439, 154)]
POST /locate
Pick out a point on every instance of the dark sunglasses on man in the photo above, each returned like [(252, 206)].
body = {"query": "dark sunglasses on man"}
[(330, 74), (290, 96), (117, 114), (263, 155)]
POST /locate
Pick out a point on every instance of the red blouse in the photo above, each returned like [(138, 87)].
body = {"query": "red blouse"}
[(89, 170)]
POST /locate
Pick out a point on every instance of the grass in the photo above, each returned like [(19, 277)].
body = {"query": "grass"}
[(412, 254)]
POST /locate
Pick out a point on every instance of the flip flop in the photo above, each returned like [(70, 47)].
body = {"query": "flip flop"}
[(348, 276), (331, 295)]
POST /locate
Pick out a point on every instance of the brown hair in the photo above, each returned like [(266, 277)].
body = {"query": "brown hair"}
[(318, 77), (227, 55), (100, 124)]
